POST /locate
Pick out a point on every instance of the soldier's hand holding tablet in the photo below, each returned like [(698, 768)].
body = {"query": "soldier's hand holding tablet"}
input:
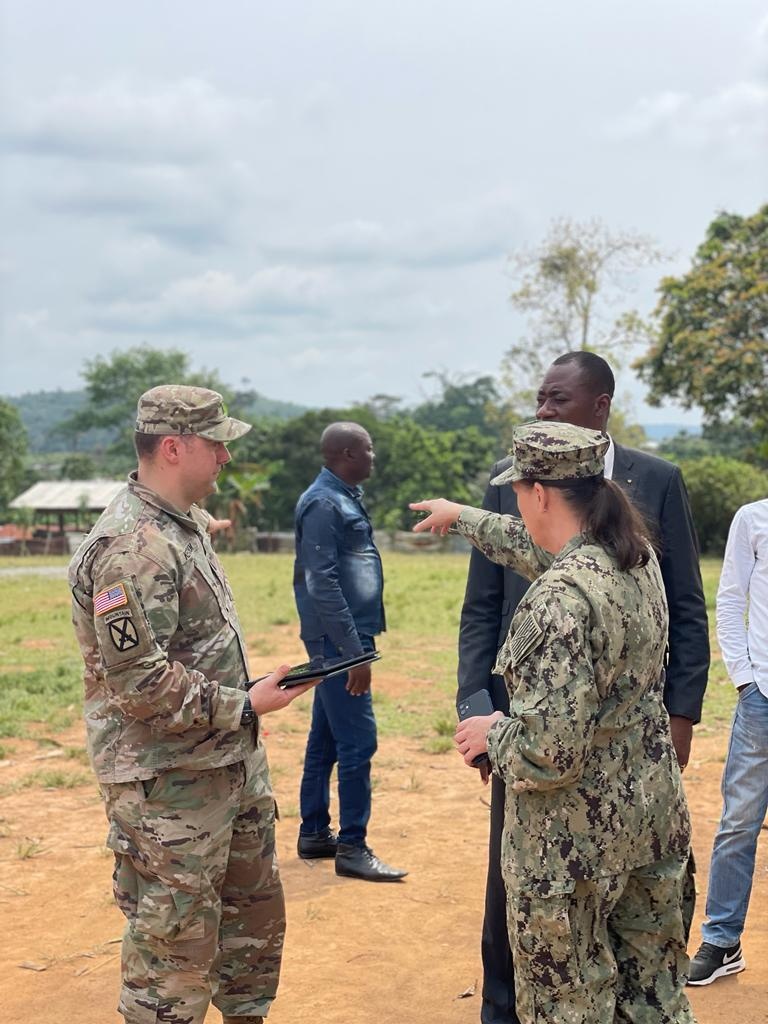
[(267, 694)]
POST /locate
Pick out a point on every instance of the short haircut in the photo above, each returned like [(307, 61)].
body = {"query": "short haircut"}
[(595, 371), (340, 435), (146, 445)]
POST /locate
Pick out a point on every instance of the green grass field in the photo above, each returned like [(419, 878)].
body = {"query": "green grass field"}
[(40, 673)]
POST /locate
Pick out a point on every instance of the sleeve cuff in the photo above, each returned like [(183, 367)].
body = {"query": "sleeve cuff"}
[(492, 742), (229, 709)]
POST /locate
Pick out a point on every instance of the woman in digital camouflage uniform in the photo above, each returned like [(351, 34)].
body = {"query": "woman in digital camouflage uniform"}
[(596, 832)]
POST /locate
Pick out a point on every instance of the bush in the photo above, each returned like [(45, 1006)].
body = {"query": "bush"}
[(718, 486)]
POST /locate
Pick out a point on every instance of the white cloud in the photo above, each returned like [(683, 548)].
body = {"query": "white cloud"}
[(220, 301), (762, 36), (32, 320), (735, 116), (478, 231), (190, 206), (187, 120)]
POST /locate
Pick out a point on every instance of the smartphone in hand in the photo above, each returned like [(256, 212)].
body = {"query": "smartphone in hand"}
[(477, 703)]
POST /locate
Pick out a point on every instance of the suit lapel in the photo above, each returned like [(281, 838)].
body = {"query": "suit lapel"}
[(623, 468)]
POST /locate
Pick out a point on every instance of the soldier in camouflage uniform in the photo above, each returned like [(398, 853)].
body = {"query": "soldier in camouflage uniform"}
[(173, 735), (597, 832)]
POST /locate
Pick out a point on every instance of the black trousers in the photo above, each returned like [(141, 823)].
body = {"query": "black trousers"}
[(498, 975)]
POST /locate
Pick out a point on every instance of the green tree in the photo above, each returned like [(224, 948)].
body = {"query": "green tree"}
[(415, 462), (114, 384), (78, 466), (711, 343), (13, 454), (734, 439), (240, 498), (573, 287), (460, 403), (717, 487), (625, 431)]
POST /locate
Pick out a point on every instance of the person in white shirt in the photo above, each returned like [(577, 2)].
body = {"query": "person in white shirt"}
[(742, 629)]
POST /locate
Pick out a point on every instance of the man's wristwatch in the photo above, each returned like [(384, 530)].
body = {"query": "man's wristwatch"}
[(248, 716)]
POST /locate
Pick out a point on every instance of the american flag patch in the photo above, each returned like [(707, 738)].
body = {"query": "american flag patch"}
[(105, 601)]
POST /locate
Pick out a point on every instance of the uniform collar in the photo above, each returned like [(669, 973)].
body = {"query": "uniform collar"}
[(151, 497), (571, 545)]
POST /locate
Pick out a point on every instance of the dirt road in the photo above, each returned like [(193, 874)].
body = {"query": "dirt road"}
[(356, 953)]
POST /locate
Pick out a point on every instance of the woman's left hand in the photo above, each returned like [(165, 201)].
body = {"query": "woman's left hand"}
[(471, 737)]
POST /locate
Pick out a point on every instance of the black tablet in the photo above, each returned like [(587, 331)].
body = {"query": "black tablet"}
[(322, 669)]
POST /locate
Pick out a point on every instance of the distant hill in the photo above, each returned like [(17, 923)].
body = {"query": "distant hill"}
[(42, 411), (661, 431)]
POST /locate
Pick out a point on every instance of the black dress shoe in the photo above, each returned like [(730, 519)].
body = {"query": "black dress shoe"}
[(362, 862), (317, 844)]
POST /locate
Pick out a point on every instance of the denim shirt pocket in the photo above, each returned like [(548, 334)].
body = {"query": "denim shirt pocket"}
[(357, 536)]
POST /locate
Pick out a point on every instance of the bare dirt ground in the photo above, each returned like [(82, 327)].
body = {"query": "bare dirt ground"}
[(356, 953)]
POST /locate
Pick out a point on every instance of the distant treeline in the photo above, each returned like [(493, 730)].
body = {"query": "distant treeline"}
[(43, 413)]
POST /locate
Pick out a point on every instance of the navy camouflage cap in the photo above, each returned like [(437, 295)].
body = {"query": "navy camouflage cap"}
[(183, 409), (554, 451)]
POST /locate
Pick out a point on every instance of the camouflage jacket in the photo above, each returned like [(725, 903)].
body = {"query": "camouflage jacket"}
[(165, 660), (593, 786)]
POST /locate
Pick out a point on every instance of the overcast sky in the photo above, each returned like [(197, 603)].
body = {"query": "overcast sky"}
[(321, 196)]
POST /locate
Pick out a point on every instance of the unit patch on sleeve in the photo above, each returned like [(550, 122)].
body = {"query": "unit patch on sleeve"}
[(122, 633), (106, 600)]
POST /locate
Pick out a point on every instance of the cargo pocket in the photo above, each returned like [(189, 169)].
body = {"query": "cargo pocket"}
[(544, 948), (157, 891)]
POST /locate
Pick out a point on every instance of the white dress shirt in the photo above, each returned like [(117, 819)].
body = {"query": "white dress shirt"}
[(742, 598), (610, 455)]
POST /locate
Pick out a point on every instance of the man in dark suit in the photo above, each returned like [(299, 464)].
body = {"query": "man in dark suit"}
[(578, 388)]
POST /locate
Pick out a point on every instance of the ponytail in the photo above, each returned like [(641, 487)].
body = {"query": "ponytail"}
[(610, 519)]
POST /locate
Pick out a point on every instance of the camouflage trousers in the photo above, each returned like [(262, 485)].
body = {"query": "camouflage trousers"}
[(606, 951), (196, 876)]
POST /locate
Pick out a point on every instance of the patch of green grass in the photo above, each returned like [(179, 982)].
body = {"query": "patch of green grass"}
[(41, 671), (79, 754), (50, 697), (445, 726), (720, 698), (33, 561), (54, 778), (438, 745)]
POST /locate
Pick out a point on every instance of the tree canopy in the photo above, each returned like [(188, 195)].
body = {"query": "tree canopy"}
[(711, 346), (460, 403), (574, 286), (13, 450), (115, 382)]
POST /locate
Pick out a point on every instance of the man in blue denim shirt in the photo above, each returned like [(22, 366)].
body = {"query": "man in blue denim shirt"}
[(338, 584)]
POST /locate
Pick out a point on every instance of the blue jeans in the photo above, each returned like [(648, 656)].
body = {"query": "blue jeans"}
[(343, 732), (745, 801)]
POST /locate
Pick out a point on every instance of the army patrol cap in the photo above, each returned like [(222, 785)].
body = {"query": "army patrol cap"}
[(183, 409), (554, 452)]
